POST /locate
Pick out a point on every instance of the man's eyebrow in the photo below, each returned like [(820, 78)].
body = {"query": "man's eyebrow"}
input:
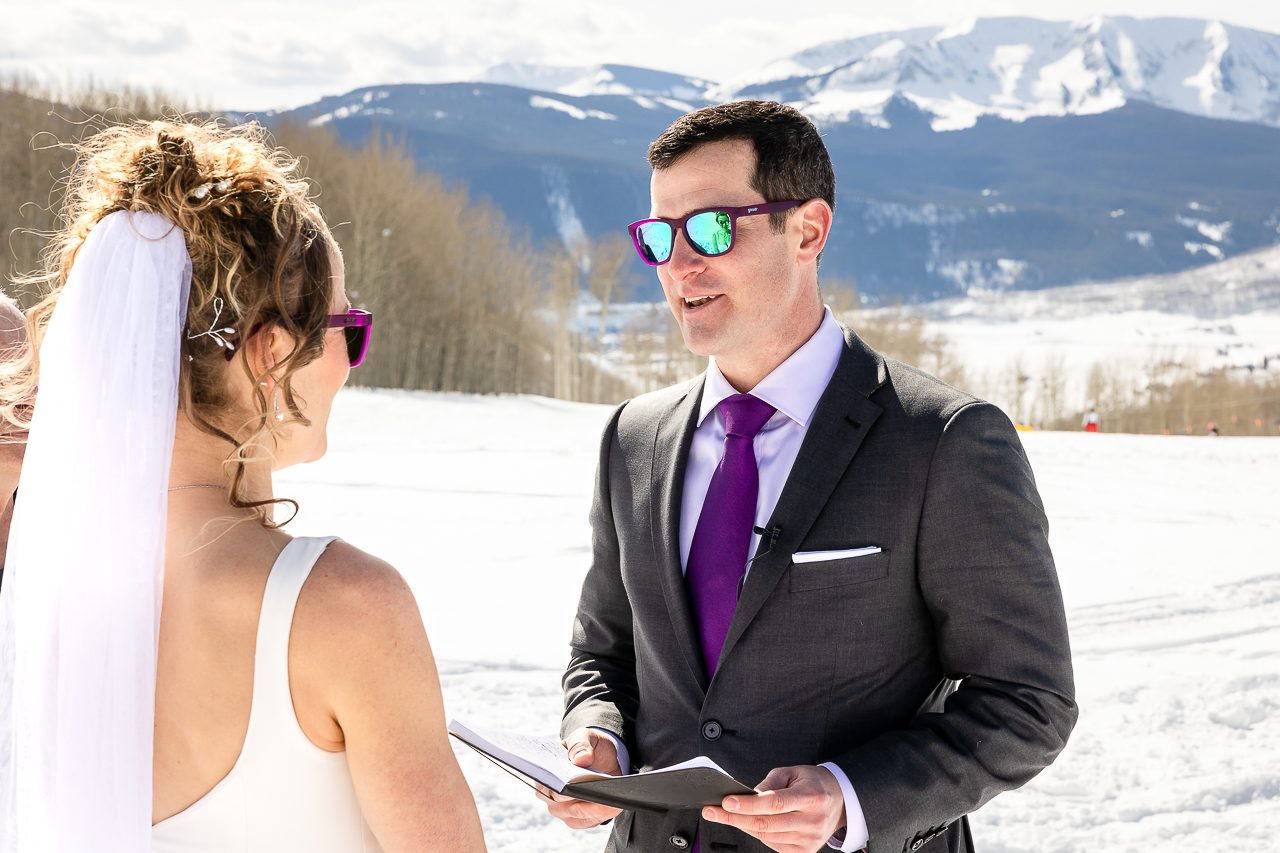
[(691, 210)]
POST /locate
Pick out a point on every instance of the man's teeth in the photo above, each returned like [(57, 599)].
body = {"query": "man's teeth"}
[(701, 300)]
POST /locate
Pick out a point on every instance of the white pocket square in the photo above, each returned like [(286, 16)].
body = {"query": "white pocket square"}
[(821, 556)]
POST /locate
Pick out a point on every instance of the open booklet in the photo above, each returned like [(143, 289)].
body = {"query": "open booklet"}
[(688, 785)]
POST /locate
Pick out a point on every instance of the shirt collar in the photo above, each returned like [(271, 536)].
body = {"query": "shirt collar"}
[(794, 387)]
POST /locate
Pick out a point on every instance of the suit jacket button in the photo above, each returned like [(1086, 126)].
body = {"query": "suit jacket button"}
[(679, 842), (711, 730)]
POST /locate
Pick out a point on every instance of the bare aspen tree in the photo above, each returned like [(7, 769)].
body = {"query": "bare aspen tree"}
[(1052, 389), (609, 257), (563, 272), (455, 290), (38, 125)]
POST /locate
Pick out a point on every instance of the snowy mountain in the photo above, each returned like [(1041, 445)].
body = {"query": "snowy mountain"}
[(1019, 68), (1129, 167), (643, 85)]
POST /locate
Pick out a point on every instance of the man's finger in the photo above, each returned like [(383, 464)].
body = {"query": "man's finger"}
[(568, 809), (779, 778), (765, 802), (576, 810), (758, 824), (545, 793)]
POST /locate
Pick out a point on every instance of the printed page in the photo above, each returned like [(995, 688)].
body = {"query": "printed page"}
[(542, 758)]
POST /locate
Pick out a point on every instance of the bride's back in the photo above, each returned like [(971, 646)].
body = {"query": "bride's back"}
[(344, 674), (208, 632)]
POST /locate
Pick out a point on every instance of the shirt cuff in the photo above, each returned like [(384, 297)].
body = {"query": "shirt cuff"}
[(856, 835), (624, 758)]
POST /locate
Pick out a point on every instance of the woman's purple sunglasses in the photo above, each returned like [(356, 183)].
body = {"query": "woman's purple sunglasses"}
[(355, 324)]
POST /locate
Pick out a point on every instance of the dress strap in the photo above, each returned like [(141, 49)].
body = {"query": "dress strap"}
[(272, 702)]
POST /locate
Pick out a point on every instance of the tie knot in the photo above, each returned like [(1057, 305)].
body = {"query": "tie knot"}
[(745, 415)]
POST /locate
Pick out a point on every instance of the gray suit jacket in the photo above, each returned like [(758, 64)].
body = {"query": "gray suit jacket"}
[(936, 673)]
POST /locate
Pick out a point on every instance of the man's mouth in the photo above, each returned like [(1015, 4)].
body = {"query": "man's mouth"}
[(698, 301)]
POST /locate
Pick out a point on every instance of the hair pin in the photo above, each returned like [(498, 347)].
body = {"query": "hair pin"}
[(201, 192), (216, 334)]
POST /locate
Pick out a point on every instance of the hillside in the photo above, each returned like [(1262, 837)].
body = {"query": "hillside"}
[(921, 214), (1244, 284)]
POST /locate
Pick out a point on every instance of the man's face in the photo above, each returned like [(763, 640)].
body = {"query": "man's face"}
[(742, 306)]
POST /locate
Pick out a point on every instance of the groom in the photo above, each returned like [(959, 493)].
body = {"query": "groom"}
[(894, 654)]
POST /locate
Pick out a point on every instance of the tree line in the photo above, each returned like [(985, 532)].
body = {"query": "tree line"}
[(463, 300)]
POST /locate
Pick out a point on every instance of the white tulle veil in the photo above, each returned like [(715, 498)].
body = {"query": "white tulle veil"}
[(80, 604)]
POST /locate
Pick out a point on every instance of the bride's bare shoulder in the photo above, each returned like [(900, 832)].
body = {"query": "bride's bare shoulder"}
[(350, 586)]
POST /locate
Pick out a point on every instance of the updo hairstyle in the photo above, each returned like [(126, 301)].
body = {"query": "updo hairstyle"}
[(261, 255)]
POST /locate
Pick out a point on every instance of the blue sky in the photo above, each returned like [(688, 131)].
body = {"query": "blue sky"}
[(259, 54)]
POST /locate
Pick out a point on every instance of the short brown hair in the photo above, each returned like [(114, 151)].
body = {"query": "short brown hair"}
[(791, 161)]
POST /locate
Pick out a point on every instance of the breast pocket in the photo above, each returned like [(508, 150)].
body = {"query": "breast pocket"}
[(825, 574)]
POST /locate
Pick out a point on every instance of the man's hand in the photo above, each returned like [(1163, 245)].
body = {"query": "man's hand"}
[(797, 810), (587, 748)]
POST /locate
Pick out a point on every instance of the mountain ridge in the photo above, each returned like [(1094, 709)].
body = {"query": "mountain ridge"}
[(1012, 67), (1006, 202)]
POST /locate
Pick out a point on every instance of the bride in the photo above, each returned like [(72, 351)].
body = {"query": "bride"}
[(178, 673)]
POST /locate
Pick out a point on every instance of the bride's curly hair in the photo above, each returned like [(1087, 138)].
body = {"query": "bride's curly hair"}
[(261, 255)]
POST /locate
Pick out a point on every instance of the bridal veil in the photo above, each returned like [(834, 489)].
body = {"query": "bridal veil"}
[(80, 604)]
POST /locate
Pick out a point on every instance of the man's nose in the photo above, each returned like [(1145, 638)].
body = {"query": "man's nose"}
[(684, 260)]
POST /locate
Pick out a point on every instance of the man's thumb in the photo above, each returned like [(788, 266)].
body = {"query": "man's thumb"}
[(580, 753)]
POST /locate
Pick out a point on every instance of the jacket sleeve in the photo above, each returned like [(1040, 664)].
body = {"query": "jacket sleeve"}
[(600, 683), (988, 580)]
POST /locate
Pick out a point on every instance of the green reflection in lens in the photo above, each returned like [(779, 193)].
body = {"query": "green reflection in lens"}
[(711, 231), (654, 241)]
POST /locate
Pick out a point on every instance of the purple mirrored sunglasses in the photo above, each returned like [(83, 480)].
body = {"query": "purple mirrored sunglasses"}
[(355, 324), (710, 231)]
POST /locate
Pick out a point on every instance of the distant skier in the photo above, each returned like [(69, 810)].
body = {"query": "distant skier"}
[(1090, 420), (1213, 429)]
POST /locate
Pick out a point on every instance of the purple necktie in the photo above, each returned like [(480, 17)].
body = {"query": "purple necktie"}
[(718, 554)]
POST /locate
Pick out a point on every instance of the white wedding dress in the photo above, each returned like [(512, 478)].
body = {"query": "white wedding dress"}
[(284, 792)]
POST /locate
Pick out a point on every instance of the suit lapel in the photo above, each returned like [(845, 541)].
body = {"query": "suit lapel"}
[(670, 459), (842, 419)]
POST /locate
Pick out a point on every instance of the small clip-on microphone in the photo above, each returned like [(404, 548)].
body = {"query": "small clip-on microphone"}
[(773, 533)]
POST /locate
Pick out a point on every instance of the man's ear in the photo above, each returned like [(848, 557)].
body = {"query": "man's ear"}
[(814, 219)]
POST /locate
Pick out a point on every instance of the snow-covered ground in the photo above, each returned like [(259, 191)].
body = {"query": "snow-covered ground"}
[(1124, 343), (1224, 315), (1168, 549)]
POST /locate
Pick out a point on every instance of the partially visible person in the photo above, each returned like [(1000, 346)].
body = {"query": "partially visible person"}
[(13, 440), (1090, 420), (204, 681)]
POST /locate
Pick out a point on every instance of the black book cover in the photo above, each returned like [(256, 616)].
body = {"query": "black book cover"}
[(658, 792)]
